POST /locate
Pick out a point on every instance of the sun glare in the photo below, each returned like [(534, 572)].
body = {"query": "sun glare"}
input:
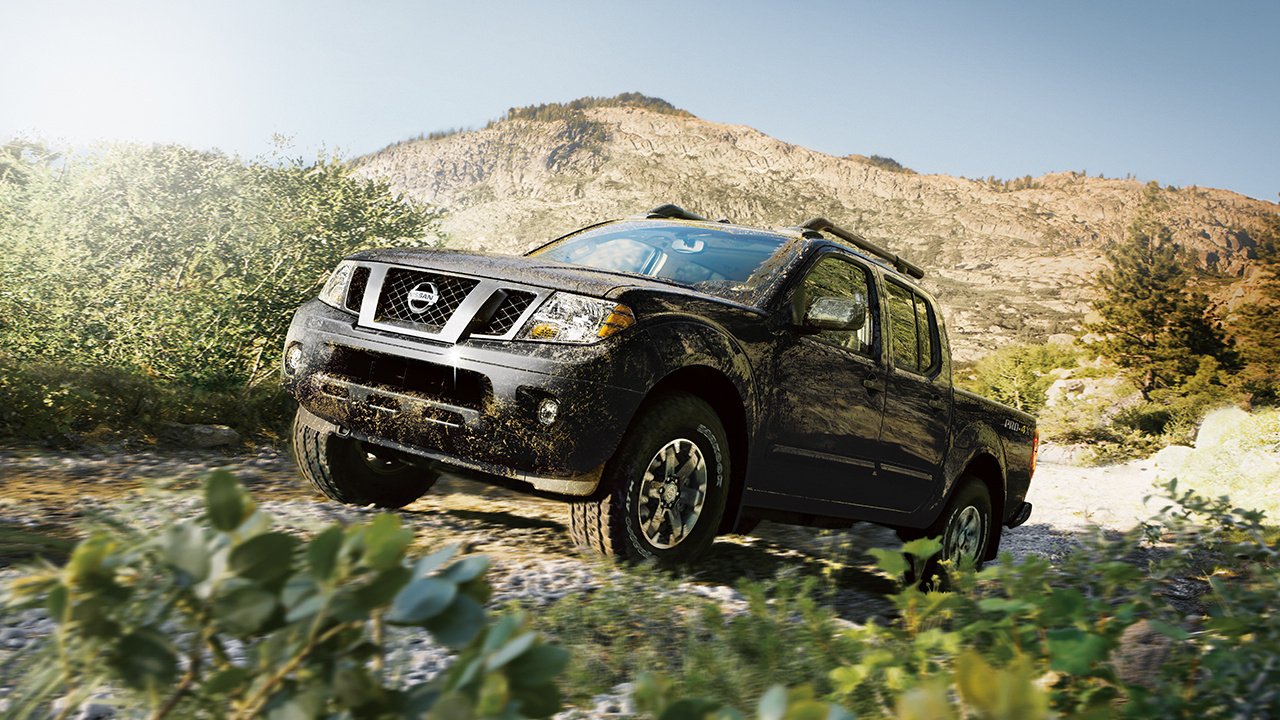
[(112, 72)]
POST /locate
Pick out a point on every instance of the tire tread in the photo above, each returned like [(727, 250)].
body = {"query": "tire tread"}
[(599, 524), (319, 460)]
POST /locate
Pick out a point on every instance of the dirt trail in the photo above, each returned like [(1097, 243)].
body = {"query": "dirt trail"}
[(49, 491)]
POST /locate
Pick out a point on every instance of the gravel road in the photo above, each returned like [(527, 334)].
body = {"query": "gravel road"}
[(526, 537), (40, 488)]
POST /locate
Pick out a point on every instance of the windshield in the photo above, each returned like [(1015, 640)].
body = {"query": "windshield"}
[(725, 261)]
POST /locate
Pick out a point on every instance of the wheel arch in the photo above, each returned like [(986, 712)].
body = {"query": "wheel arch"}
[(986, 468), (717, 390)]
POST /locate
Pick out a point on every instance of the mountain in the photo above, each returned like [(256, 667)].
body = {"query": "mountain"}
[(1008, 264)]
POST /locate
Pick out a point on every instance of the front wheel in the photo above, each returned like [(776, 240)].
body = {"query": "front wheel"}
[(664, 491), (357, 473)]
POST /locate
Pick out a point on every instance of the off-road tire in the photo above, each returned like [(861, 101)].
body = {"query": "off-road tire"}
[(357, 473), (675, 426), (964, 528)]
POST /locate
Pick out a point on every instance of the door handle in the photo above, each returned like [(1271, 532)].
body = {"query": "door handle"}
[(937, 404), (871, 383)]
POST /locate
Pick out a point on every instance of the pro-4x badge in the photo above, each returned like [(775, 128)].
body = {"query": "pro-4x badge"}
[(422, 296)]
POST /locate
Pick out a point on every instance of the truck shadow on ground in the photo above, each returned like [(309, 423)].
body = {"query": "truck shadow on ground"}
[(510, 527), (843, 574)]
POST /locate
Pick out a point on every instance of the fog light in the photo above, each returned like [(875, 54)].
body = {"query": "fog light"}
[(548, 411), (293, 358)]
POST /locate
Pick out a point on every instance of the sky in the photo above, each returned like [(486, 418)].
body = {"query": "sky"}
[(1184, 93)]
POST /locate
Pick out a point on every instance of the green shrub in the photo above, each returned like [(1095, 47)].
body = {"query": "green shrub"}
[(1077, 420), (178, 264), (151, 618), (1063, 629), (560, 111), (639, 621), (41, 399), (888, 163), (1019, 375), (659, 699), (1038, 639), (1121, 427)]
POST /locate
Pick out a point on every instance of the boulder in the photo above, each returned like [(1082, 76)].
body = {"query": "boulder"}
[(1261, 465), (1171, 461), (1219, 427)]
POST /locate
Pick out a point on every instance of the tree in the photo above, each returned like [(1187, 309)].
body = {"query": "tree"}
[(1257, 326), (1154, 327), (1019, 375)]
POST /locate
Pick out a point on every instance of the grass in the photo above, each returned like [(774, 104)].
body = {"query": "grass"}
[(21, 543), (641, 621)]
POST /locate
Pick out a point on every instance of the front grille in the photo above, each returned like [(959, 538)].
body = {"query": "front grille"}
[(396, 303), (355, 291), (508, 313), (454, 386)]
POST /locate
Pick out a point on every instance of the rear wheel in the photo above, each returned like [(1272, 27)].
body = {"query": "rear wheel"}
[(355, 472), (663, 493), (964, 528), (966, 523)]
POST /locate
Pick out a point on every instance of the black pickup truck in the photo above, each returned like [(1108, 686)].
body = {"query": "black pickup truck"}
[(672, 378)]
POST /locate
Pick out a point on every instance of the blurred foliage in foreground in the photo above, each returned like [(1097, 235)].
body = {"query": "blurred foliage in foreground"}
[(1173, 619), (168, 269), (221, 617), (218, 616)]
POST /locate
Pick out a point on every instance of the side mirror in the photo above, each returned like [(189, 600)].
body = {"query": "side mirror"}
[(835, 313)]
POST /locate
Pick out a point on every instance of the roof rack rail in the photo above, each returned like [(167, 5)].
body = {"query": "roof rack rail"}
[(824, 225), (668, 212)]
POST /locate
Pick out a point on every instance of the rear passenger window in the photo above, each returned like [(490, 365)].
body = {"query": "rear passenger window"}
[(912, 327)]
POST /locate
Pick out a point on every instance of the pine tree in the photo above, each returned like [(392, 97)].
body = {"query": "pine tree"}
[(1257, 328), (1154, 328)]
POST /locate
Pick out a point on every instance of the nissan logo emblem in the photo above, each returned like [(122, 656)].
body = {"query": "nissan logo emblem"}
[(423, 296)]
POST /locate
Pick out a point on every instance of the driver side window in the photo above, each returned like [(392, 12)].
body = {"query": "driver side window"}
[(833, 277)]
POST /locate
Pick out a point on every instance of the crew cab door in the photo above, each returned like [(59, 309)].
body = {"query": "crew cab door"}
[(918, 407), (829, 394)]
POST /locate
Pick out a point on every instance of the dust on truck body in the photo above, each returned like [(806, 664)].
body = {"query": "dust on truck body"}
[(670, 377)]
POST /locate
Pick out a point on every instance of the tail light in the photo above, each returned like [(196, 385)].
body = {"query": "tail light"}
[(1035, 450)]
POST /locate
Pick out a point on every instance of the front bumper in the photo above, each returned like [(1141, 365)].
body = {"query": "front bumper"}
[(471, 407)]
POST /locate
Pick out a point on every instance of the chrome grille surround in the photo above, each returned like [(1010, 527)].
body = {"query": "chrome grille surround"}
[(443, 306)]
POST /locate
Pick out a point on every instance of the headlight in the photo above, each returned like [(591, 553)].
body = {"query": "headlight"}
[(567, 318), (335, 290)]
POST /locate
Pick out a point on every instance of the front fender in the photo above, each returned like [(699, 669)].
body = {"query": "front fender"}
[(703, 360), (687, 344)]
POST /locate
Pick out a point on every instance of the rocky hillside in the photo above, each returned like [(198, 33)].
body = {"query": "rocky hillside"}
[(1008, 265)]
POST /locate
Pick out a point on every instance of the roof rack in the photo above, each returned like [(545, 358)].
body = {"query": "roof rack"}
[(824, 225), (668, 212)]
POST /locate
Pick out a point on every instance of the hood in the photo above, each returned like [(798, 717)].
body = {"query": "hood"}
[(518, 269)]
